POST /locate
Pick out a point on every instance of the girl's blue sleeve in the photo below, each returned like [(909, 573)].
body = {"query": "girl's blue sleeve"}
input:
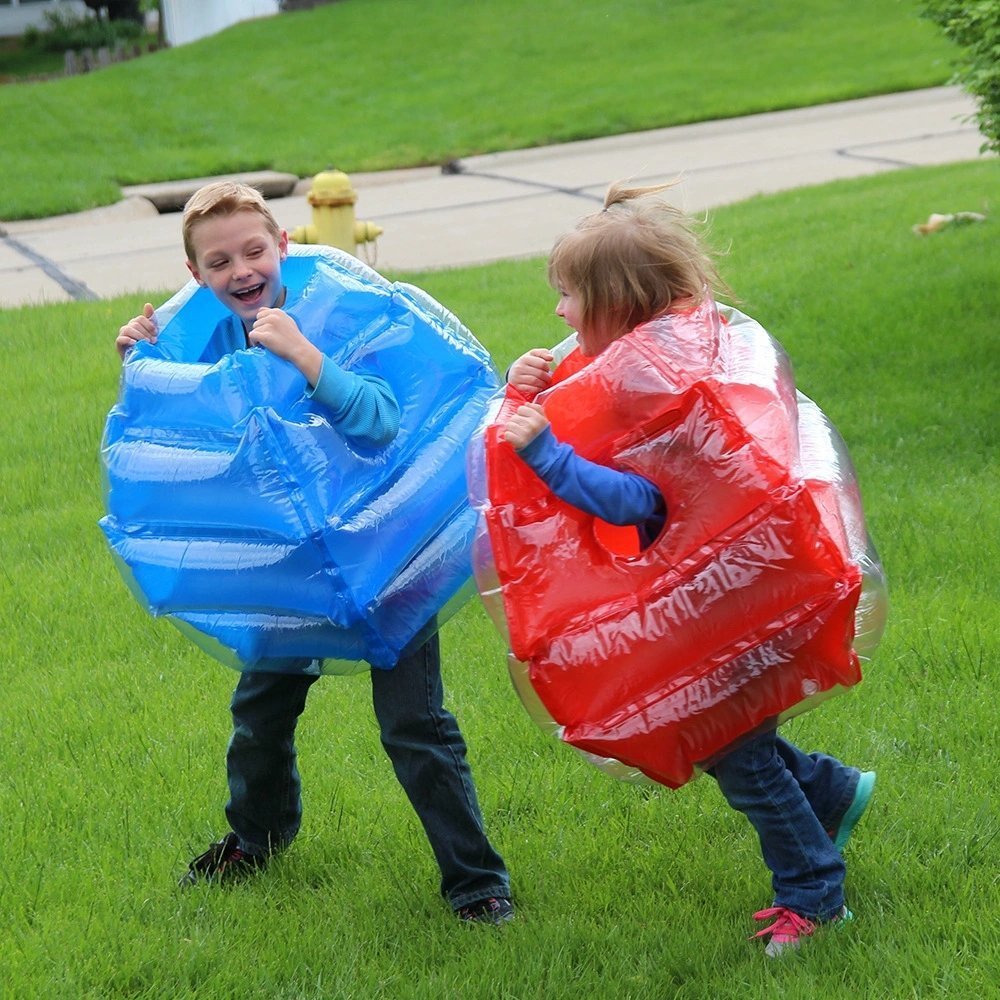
[(362, 407), (612, 495)]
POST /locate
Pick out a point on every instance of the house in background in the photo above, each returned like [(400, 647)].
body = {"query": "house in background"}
[(183, 20), (16, 15), (188, 20)]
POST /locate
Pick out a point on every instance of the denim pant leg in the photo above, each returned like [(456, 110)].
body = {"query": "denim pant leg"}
[(828, 784), (265, 802), (428, 755), (807, 871)]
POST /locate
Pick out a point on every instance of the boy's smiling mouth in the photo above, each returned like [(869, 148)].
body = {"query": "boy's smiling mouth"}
[(248, 294)]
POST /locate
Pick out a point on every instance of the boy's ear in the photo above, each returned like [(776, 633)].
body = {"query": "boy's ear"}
[(195, 273), (282, 245)]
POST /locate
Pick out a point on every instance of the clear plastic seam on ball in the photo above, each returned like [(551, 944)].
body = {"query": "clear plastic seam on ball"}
[(758, 600), (237, 511)]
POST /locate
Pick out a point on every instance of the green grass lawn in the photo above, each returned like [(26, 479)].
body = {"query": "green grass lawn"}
[(20, 64), (111, 766), (372, 84)]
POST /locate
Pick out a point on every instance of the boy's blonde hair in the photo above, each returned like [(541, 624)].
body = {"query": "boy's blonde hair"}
[(222, 198), (632, 261)]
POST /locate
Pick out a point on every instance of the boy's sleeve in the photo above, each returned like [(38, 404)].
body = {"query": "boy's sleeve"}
[(610, 494), (362, 407)]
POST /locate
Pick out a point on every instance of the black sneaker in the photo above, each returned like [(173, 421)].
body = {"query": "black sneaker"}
[(224, 862), (495, 910)]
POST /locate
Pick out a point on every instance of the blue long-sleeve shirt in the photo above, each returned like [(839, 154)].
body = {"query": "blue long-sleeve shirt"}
[(361, 407), (612, 495)]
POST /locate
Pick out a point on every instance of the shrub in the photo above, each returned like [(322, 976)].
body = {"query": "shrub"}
[(975, 27), (65, 30), (117, 10)]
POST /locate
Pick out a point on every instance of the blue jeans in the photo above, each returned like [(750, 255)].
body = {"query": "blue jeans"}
[(421, 738), (792, 799)]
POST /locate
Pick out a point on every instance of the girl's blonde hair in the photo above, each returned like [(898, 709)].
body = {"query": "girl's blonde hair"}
[(632, 261), (221, 198)]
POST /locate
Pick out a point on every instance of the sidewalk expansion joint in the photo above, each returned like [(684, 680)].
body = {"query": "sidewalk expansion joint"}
[(853, 152), (75, 289), (577, 192)]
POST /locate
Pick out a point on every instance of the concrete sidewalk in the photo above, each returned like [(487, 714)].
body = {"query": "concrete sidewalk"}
[(515, 204)]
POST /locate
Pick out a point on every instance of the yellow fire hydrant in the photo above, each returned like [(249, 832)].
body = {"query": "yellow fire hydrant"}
[(332, 198)]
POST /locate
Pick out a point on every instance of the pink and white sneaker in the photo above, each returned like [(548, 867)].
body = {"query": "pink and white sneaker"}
[(789, 928)]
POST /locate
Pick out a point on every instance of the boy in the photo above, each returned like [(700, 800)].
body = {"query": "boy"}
[(235, 247)]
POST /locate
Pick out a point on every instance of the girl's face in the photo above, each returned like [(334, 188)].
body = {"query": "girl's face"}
[(569, 307), (239, 260)]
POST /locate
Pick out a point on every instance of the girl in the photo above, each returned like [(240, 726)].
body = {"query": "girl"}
[(636, 260)]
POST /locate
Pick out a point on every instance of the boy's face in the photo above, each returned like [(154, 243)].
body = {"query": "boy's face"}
[(238, 259)]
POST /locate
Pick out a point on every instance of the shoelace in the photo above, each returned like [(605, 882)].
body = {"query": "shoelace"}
[(787, 926), (217, 857), (484, 906)]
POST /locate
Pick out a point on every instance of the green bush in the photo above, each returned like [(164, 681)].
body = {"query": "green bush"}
[(117, 10), (975, 27), (64, 30)]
